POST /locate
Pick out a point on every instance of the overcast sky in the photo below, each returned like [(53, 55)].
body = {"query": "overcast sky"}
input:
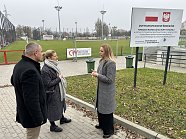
[(84, 12)]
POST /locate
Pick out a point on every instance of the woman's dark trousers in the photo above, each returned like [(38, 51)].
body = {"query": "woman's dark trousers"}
[(106, 122)]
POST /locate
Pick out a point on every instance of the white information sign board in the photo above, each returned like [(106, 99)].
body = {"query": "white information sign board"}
[(155, 27), (81, 52), (48, 37)]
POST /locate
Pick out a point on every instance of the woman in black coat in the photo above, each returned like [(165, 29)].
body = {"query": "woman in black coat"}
[(55, 87)]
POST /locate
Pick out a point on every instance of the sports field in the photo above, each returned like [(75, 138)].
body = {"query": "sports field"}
[(60, 46)]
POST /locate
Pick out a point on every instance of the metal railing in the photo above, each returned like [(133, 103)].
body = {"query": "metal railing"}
[(176, 57), (8, 58)]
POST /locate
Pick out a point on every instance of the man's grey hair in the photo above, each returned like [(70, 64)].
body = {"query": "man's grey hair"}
[(30, 48)]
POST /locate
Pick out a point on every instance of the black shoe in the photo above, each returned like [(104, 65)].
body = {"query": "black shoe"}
[(55, 129), (65, 120), (107, 135), (97, 126)]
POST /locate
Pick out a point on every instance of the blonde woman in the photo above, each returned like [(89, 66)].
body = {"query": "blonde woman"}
[(55, 87), (105, 99)]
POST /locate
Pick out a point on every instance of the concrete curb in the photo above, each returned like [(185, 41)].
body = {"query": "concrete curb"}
[(128, 124)]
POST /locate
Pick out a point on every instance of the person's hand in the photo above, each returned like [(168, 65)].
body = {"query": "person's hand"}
[(94, 73), (60, 76)]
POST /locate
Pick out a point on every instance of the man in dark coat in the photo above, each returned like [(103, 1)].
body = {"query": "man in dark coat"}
[(29, 90)]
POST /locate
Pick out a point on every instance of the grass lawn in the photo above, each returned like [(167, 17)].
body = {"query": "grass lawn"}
[(182, 42), (61, 46), (154, 106)]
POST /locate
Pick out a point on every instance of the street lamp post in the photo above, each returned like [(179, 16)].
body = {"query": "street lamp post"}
[(114, 31), (43, 25), (75, 58), (102, 12), (58, 8), (76, 28)]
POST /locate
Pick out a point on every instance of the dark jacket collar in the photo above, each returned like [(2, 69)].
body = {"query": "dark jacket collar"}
[(36, 64)]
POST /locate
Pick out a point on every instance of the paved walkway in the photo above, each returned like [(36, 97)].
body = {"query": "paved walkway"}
[(81, 127)]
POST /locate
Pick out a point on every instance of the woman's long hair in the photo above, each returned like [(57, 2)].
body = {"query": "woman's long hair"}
[(108, 55)]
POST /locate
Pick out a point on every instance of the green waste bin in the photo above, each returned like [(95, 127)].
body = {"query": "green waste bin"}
[(140, 56), (129, 61), (90, 65)]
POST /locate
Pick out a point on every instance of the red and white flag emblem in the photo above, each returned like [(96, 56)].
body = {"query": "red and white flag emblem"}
[(166, 16), (151, 17)]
